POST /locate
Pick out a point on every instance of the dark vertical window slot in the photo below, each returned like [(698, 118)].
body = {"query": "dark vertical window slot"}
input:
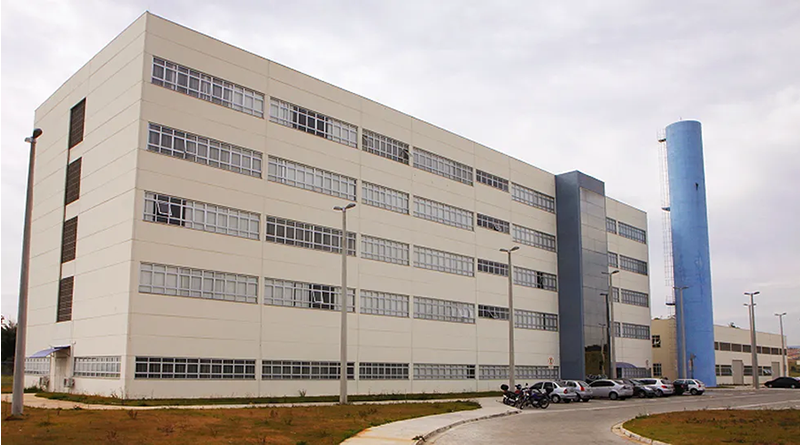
[(65, 290), (73, 189), (69, 237), (76, 120)]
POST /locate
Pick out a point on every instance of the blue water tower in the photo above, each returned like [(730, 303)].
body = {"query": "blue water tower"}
[(690, 251)]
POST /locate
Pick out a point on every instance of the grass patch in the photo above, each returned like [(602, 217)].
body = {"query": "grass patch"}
[(720, 427), (285, 425), (7, 384), (98, 400)]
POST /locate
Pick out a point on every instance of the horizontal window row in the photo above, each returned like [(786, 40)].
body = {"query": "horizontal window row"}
[(106, 367), (492, 267), (632, 265), (204, 86), (491, 180), (436, 371), (443, 213), (630, 330), (535, 278), (533, 198), (200, 216), (37, 365), (631, 297), (385, 250), (194, 368), (312, 122), (534, 238), (385, 146), (535, 320), (500, 372), (187, 282), (306, 295), (724, 370), (309, 236), (203, 150), (491, 223), (737, 347), (384, 197), (443, 310), (439, 165), (633, 233), (384, 303), (762, 370), (432, 259), (492, 312), (611, 225), (311, 178), (304, 370)]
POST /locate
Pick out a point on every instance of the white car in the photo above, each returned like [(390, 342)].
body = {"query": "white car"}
[(558, 391), (662, 387), (693, 386), (613, 389)]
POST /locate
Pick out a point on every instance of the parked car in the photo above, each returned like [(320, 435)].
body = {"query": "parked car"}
[(581, 388), (640, 390), (662, 387), (613, 389), (692, 386), (783, 382), (558, 391)]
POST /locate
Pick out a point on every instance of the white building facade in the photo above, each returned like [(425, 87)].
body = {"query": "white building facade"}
[(185, 244)]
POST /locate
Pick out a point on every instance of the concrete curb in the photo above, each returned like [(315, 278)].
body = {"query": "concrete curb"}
[(622, 432), (433, 433)]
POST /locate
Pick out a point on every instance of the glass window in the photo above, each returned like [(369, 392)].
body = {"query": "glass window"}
[(488, 222), (306, 295), (632, 265), (443, 310), (312, 122), (493, 312), (611, 225), (385, 250), (311, 178), (384, 146), (163, 279), (194, 368), (630, 232), (493, 372), (536, 372), (430, 371), (534, 278), (630, 330), (309, 236), (613, 260), (441, 261), (304, 370), (631, 297), (384, 197), (492, 267), (439, 165), (384, 303), (443, 213), (107, 367), (533, 198), (657, 370), (491, 180), (535, 320), (382, 371), (201, 216), (534, 238), (37, 365), (656, 341)]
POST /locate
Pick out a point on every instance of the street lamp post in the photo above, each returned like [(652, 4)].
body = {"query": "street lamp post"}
[(612, 363), (22, 309), (783, 345), (343, 341), (510, 317), (753, 352), (682, 358)]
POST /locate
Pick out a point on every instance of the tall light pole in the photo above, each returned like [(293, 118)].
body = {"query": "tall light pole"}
[(343, 341), (22, 309), (682, 358), (612, 363), (783, 345), (510, 317), (753, 352)]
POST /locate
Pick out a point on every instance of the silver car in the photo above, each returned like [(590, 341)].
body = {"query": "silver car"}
[(613, 389), (662, 387), (558, 391), (581, 388)]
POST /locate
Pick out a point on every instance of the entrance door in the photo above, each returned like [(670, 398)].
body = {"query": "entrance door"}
[(776, 370), (61, 370), (738, 372)]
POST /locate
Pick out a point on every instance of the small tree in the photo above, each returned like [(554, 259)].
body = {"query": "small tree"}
[(9, 340)]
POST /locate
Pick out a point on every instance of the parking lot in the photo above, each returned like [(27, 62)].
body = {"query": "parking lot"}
[(590, 423)]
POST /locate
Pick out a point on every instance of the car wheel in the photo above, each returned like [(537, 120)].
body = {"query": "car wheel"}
[(642, 394), (660, 393), (768, 385), (794, 386), (555, 399), (585, 400), (613, 396), (693, 392)]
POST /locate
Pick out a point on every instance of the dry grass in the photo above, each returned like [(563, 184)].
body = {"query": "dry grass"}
[(289, 425), (7, 384), (721, 427)]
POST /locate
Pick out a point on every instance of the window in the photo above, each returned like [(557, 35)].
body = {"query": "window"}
[(65, 289), (162, 279), (69, 236), (306, 295), (613, 260), (439, 165), (443, 310), (611, 225), (37, 365), (73, 187), (491, 180), (632, 265), (387, 147), (630, 232), (736, 347), (534, 278), (633, 373), (77, 118), (311, 122), (657, 372), (724, 346), (441, 261), (535, 320), (203, 86), (492, 267), (202, 150), (493, 312), (384, 303), (536, 372), (429, 371), (384, 197), (656, 341), (747, 348), (194, 368), (309, 236), (488, 222), (493, 372), (385, 250), (97, 367), (311, 178), (762, 370), (534, 238), (442, 213), (382, 371), (533, 198), (630, 330), (724, 370), (716, 346), (631, 297), (300, 370), (200, 216)]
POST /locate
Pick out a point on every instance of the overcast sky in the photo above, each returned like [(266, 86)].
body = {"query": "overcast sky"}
[(578, 85)]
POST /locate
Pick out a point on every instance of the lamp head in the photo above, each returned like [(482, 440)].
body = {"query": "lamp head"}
[(614, 271), (37, 132), (350, 206)]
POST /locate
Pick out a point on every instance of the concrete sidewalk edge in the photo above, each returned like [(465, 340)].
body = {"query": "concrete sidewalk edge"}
[(462, 422), (619, 430)]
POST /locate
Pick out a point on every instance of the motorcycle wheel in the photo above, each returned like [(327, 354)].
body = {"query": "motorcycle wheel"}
[(544, 403)]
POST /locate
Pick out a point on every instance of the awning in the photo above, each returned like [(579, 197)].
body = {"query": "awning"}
[(46, 352), (624, 365)]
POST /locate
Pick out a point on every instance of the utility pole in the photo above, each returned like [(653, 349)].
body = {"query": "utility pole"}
[(22, 309), (682, 358), (753, 351), (511, 364), (612, 362), (783, 345), (344, 295)]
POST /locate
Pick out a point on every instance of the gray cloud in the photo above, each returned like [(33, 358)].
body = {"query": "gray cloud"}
[(583, 85)]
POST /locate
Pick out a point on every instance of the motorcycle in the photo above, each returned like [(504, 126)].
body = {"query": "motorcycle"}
[(511, 398), (524, 397)]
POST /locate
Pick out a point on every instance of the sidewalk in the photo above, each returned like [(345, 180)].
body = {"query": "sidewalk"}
[(412, 430)]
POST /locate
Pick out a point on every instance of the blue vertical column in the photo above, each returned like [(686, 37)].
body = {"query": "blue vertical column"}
[(690, 251)]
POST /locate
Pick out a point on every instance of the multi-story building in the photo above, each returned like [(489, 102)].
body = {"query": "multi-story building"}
[(185, 242), (732, 353)]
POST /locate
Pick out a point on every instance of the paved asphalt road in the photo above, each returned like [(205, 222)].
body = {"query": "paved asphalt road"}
[(590, 423)]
